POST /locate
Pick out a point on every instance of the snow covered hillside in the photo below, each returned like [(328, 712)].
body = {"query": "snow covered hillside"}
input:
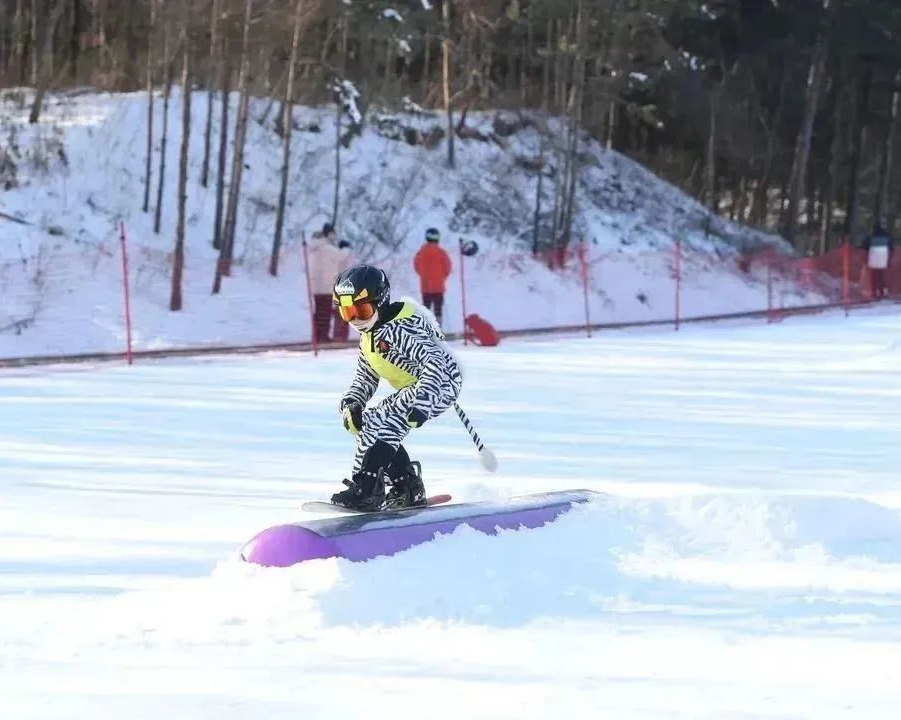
[(80, 171), (745, 563)]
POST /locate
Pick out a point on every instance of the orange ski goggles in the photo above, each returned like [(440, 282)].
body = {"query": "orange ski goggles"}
[(360, 311)]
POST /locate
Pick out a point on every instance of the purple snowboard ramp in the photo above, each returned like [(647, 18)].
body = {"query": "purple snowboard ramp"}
[(365, 536)]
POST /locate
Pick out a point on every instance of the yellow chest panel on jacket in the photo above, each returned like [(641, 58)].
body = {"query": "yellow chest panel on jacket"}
[(397, 377)]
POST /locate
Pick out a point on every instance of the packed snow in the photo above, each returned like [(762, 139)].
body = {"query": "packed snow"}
[(744, 562), (81, 171)]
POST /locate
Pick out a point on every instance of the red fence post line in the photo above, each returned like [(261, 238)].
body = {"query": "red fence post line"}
[(583, 261), (463, 289), (846, 273), (770, 313), (306, 271), (678, 269), (128, 347)]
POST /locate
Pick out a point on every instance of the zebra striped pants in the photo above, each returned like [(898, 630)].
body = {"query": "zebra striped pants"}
[(387, 421)]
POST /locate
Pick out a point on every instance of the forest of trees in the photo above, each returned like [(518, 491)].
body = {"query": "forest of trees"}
[(783, 114)]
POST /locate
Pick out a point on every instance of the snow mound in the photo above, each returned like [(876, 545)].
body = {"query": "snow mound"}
[(802, 560)]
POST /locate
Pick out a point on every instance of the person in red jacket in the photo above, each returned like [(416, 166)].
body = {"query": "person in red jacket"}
[(433, 265)]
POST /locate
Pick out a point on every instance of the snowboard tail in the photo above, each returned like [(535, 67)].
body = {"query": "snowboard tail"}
[(322, 506)]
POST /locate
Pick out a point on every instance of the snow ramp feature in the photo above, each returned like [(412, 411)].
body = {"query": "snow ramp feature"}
[(738, 561), (718, 560), (720, 557), (370, 535)]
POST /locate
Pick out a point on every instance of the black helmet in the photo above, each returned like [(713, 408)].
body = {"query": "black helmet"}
[(432, 235), (362, 284)]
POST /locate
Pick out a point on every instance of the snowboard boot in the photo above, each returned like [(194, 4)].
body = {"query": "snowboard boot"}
[(407, 488), (365, 492)]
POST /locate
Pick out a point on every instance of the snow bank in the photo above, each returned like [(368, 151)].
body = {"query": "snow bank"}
[(85, 173)]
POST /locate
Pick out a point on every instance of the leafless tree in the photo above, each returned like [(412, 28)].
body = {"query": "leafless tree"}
[(798, 178), (223, 267), (148, 165), (214, 55), (42, 66), (446, 79), (178, 256), (225, 84), (164, 136), (287, 131)]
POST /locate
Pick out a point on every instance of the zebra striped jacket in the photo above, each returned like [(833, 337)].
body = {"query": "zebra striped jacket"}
[(408, 350)]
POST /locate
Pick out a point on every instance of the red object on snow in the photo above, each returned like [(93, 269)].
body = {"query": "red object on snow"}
[(480, 331)]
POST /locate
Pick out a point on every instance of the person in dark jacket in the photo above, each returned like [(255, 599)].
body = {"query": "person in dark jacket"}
[(879, 246)]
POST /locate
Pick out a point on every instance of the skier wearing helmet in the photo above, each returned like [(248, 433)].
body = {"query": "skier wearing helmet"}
[(401, 344)]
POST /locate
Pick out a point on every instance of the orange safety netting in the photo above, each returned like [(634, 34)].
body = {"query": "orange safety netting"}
[(77, 297)]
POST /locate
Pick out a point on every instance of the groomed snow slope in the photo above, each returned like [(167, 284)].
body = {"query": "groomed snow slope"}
[(745, 564)]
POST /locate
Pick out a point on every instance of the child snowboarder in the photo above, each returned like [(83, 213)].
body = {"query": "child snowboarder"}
[(400, 344)]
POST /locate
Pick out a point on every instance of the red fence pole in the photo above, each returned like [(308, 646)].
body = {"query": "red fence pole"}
[(583, 260), (770, 315), (306, 270), (678, 268), (463, 289), (846, 274), (128, 348)]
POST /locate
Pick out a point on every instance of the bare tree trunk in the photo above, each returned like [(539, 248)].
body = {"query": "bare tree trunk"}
[(214, 53), (611, 125), (167, 93), (4, 50), (126, 29), (861, 105), (20, 39), (559, 60), (74, 44), (225, 83), (178, 257), (525, 59), (798, 178), (148, 165), (337, 194), (424, 93), (445, 76), (288, 126), (709, 194), (546, 71), (339, 110), (35, 41), (234, 190), (44, 56), (536, 222), (561, 151), (886, 165), (835, 153), (575, 121), (760, 204)]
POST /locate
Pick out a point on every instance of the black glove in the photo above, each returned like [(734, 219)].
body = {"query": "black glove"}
[(415, 418), (353, 417)]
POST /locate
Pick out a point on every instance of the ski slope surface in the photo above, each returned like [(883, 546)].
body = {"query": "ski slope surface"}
[(745, 561)]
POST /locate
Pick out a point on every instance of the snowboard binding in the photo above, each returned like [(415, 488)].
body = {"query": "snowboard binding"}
[(365, 492), (383, 466), (407, 490)]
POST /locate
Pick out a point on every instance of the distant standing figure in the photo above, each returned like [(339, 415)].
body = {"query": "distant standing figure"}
[(879, 251), (433, 265), (327, 259)]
